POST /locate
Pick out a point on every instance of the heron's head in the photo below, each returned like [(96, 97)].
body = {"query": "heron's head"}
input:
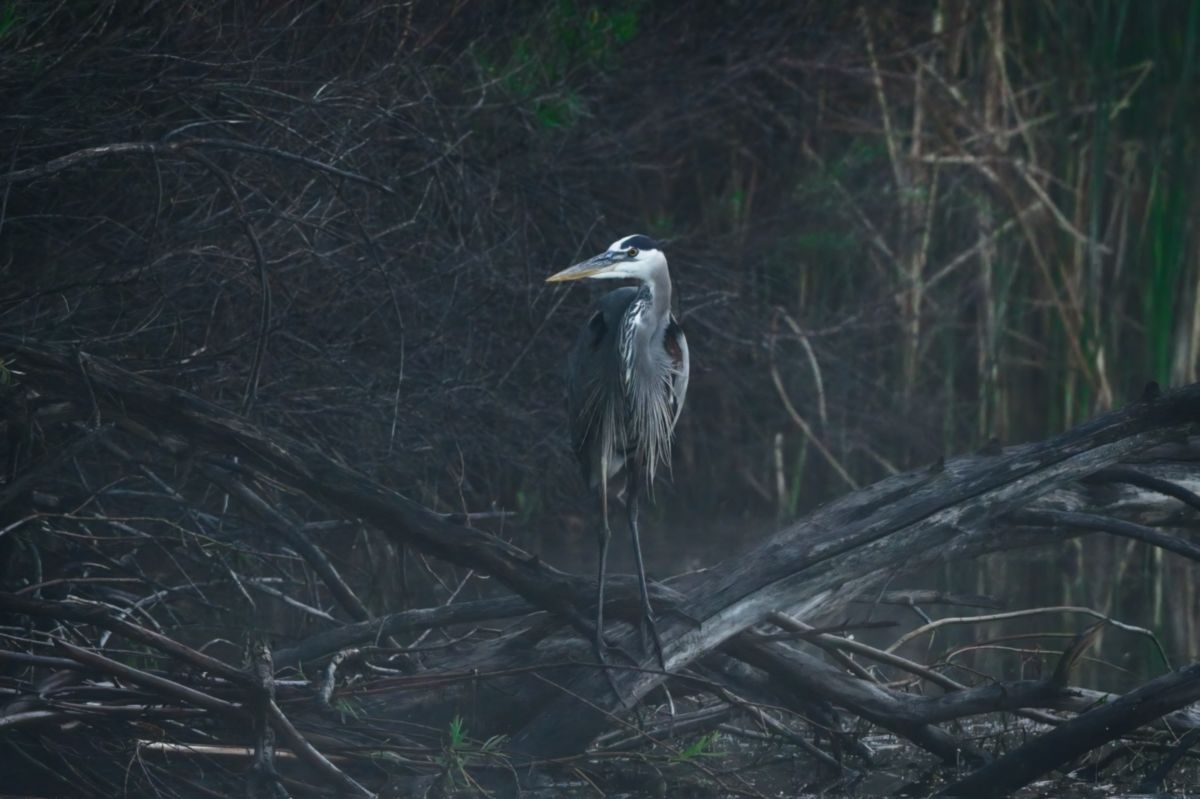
[(629, 258)]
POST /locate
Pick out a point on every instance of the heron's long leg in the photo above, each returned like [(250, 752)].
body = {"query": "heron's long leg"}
[(648, 625), (605, 535)]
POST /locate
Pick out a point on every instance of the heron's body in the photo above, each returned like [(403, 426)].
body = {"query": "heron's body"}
[(624, 395), (627, 378)]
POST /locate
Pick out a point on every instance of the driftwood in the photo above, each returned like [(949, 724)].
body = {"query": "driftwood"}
[(1082, 734), (740, 633)]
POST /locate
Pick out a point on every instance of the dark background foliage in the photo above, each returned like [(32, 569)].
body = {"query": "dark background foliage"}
[(896, 230)]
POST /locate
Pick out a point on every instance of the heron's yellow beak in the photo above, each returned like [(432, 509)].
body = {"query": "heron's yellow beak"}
[(592, 266)]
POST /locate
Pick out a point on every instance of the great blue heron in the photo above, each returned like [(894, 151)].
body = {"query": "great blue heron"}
[(627, 376)]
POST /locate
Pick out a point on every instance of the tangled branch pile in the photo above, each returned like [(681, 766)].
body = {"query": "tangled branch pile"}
[(511, 671), (281, 444)]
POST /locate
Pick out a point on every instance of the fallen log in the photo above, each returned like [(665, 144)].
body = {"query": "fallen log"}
[(838, 552), (192, 426), (1082, 734), (1111, 476)]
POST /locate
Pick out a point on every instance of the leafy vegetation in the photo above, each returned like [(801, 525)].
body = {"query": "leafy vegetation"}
[(460, 752), (700, 747)]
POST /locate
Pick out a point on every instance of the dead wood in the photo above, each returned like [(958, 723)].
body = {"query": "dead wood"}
[(193, 426), (1082, 734), (816, 565), (330, 641), (536, 680)]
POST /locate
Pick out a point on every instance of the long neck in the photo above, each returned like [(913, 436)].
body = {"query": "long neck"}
[(647, 371), (659, 284), (652, 315)]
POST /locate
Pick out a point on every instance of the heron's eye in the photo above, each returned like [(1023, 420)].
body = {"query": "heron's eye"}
[(632, 252)]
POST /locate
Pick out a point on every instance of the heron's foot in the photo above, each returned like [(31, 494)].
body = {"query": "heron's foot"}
[(649, 633), (601, 645), (601, 641), (603, 650)]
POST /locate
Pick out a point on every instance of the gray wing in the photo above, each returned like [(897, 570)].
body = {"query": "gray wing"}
[(594, 390), (675, 343)]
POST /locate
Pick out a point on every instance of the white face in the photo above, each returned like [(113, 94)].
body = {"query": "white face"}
[(628, 258), (637, 262)]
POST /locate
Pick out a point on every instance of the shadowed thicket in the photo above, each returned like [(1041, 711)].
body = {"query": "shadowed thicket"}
[(896, 231), (976, 218), (971, 219)]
